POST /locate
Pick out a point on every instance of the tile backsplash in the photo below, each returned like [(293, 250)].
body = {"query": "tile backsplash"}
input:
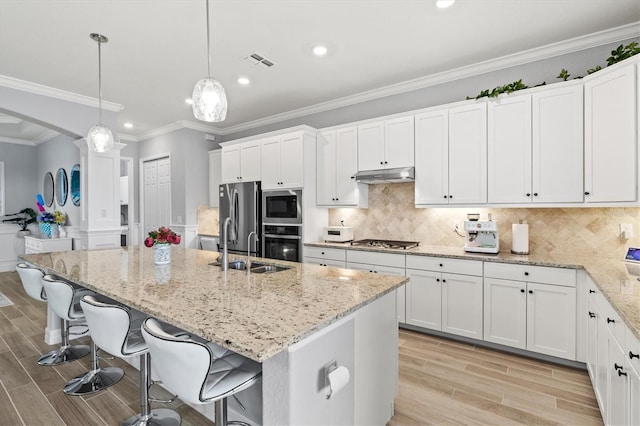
[(208, 220), (393, 215)]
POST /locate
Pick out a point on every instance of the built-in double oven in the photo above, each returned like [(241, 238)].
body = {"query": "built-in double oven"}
[(282, 224)]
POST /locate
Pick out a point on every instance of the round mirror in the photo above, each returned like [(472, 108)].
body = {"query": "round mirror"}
[(74, 185), (61, 187), (47, 189)]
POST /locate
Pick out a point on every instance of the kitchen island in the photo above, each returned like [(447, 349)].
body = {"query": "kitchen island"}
[(295, 322)]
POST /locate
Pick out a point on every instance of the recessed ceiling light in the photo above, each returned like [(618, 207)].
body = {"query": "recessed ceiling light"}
[(443, 4), (188, 101), (244, 80), (320, 50), (128, 125)]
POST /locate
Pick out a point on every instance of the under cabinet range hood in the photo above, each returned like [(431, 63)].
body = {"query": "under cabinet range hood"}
[(399, 175)]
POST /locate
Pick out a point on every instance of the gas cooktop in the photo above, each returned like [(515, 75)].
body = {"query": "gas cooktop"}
[(391, 244)]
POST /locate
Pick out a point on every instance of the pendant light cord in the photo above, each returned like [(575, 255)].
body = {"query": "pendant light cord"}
[(99, 84), (208, 43)]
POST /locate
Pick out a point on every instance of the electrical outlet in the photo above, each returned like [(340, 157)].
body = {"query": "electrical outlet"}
[(626, 230)]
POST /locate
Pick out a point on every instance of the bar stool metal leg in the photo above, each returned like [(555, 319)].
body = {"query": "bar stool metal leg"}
[(148, 417), (66, 352), (96, 379)]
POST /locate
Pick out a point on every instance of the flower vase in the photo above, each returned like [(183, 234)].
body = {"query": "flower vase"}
[(162, 254), (45, 229), (163, 274), (55, 232)]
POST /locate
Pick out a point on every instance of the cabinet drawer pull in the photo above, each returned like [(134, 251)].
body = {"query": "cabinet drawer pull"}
[(622, 373), (609, 320), (632, 355), (586, 193), (616, 366), (592, 315), (522, 290), (530, 291), (591, 291)]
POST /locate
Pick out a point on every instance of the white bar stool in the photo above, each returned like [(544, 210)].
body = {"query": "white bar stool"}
[(116, 329), (199, 372), (64, 299), (31, 279)]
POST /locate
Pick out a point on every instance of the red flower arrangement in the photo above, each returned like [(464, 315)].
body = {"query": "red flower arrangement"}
[(163, 235)]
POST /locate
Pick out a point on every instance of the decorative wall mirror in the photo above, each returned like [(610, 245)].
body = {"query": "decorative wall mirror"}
[(74, 184), (61, 187), (47, 189)]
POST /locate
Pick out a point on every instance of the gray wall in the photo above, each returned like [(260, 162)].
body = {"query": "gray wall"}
[(21, 176), (532, 74)]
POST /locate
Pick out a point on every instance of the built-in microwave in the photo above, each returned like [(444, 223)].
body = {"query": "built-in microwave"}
[(282, 206)]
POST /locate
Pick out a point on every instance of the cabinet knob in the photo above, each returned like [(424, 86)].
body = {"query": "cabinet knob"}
[(333, 199), (522, 290), (375, 272), (370, 271), (353, 177), (450, 196), (528, 194), (591, 291), (337, 199), (437, 280), (530, 291), (616, 366), (592, 314), (381, 162), (445, 196), (444, 281), (322, 253), (609, 320), (386, 162), (526, 274), (535, 194), (632, 355), (441, 265), (586, 193)]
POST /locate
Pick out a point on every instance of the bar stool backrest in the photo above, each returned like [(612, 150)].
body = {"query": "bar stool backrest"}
[(31, 281), (109, 324), (60, 296), (182, 364)]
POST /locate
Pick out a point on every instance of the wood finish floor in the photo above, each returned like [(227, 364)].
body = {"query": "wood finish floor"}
[(441, 382)]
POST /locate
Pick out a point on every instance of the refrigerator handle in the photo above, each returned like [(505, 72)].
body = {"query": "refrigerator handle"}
[(236, 216), (256, 204)]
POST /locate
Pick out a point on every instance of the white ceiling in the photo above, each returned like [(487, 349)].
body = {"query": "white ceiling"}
[(157, 48)]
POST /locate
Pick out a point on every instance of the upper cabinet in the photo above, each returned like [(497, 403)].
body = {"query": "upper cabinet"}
[(611, 155), (386, 144), (282, 162), (337, 163), (241, 162), (535, 147), (124, 190), (451, 155), (215, 177)]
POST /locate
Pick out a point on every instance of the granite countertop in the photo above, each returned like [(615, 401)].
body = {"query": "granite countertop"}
[(256, 315), (618, 280)]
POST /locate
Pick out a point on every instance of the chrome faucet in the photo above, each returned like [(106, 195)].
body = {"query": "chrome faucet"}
[(249, 246), (225, 243)]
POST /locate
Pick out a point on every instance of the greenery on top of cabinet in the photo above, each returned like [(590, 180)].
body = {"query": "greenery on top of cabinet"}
[(617, 55)]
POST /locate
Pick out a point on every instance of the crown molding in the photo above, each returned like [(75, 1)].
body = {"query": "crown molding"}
[(46, 136), (572, 45), (16, 141), (128, 138), (178, 125), (39, 89)]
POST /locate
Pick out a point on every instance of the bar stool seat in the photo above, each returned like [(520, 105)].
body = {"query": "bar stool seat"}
[(117, 329), (198, 371)]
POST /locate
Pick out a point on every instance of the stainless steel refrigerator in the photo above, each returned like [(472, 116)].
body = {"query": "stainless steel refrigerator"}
[(242, 203)]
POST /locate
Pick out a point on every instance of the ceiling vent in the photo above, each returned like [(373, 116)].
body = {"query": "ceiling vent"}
[(258, 59)]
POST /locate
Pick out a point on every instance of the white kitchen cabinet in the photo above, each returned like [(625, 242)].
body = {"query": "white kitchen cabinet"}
[(215, 177), (634, 396), (611, 150), (282, 162), (241, 162), (384, 263), (337, 163), (326, 256), (451, 155), (592, 342), (386, 144), (46, 245), (535, 147), (547, 295), (618, 405), (440, 300), (124, 190)]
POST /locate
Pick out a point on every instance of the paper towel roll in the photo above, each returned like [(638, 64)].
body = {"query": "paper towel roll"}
[(338, 380), (520, 244)]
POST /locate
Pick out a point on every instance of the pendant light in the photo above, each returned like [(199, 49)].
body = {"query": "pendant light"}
[(209, 98), (100, 138)]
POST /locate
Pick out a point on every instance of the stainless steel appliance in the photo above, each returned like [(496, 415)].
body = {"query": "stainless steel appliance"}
[(482, 236), (242, 203), (338, 234), (282, 206), (282, 242), (391, 244)]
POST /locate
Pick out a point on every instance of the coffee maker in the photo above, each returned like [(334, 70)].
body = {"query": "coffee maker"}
[(482, 235)]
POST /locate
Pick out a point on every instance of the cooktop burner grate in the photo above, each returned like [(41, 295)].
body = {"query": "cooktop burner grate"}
[(391, 244)]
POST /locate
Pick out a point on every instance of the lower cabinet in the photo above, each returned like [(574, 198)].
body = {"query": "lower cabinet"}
[(445, 301), (325, 256)]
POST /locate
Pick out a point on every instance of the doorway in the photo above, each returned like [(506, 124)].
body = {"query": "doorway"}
[(127, 203), (156, 194)]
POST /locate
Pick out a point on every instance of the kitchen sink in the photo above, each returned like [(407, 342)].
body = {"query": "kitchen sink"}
[(256, 268)]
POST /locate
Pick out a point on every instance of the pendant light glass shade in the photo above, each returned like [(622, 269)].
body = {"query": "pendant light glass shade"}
[(100, 138), (209, 100)]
